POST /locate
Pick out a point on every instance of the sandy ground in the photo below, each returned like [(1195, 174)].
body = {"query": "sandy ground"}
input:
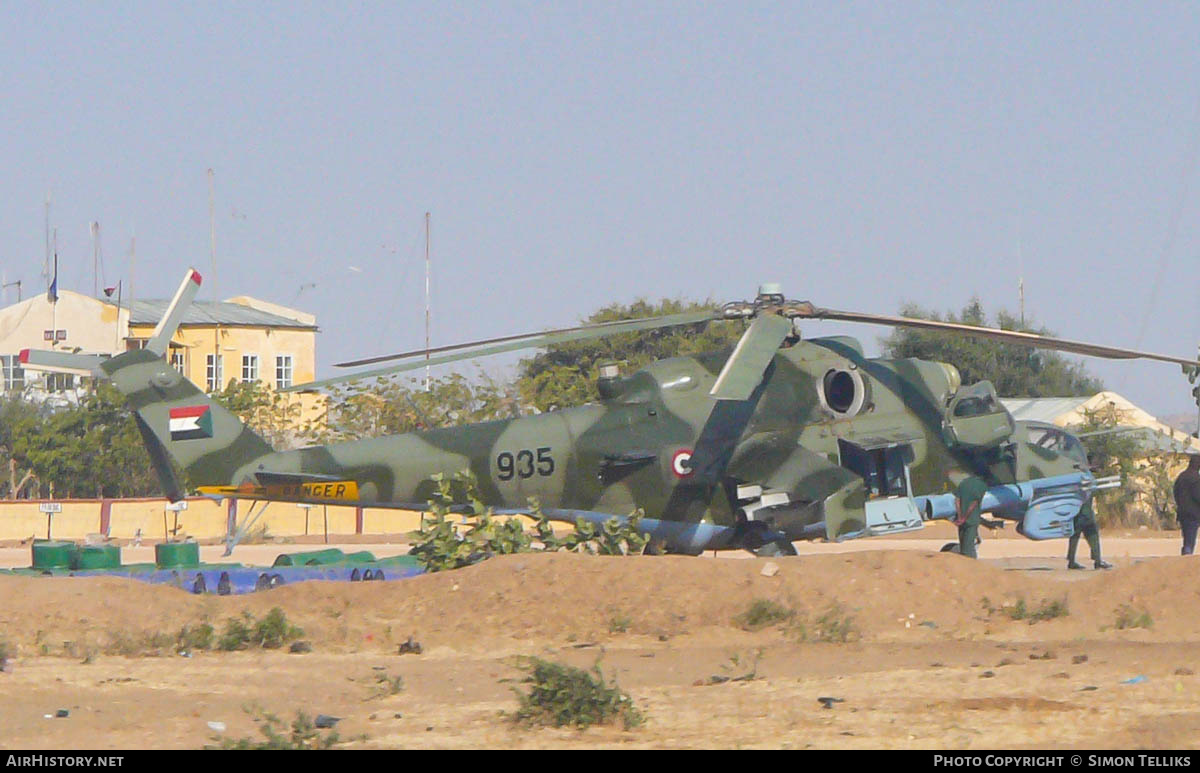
[(933, 661)]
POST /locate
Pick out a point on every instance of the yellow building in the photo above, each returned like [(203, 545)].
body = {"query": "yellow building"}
[(242, 339)]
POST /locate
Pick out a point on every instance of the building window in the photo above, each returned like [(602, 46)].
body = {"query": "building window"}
[(214, 372), (249, 367), (178, 362), (283, 371), (60, 382), (132, 344), (12, 375)]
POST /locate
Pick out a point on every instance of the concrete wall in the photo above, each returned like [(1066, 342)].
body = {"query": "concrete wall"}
[(203, 519)]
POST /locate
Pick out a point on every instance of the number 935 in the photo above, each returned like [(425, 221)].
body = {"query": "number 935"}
[(524, 463)]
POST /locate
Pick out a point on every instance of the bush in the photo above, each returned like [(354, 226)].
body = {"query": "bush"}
[(763, 613), (1128, 617), (564, 695), (199, 637), (1019, 610), (442, 544), (832, 625), (302, 733), (272, 632)]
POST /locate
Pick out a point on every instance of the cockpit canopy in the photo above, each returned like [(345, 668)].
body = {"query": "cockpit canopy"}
[(975, 418)]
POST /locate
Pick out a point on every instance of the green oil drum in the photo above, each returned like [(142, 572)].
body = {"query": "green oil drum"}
[(97, 557), (53, 554), (169, 555), (311, 558)]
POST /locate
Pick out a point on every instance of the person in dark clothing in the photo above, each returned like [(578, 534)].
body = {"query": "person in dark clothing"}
[(968, 499), (1085, 526), (1187, 502)]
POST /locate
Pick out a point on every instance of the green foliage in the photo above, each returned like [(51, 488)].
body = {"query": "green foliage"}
[(1015, 371), (301, 733), (1129, 617), (389, 406), (834, 625), (614, 537), (197, 637), (131, 645), (271, 632), (763, 613), (1049, 609), (619, 623), (564, 695), (449, 540), (1146, 494), (386, 686), (565, 374), (747, 664), (271, 414), (89, 450)]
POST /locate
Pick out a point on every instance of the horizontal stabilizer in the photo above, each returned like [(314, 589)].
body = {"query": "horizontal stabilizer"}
[(63, 362)]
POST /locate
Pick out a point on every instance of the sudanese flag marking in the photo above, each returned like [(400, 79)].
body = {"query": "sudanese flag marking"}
[(191, 422)]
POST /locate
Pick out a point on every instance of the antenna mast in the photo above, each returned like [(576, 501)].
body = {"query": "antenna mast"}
[(218, 366), (46, 258)]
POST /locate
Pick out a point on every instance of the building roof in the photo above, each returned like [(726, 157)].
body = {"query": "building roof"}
[(149, 312), (1152, 434), (1045, 409)]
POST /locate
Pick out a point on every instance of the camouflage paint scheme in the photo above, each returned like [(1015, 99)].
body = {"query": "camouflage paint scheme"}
[(658, 441)]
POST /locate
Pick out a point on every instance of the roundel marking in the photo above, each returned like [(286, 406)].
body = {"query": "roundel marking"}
[(679, 463)]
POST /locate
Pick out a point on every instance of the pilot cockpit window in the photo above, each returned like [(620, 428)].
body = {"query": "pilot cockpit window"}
[(1059, 441), (977, 400)]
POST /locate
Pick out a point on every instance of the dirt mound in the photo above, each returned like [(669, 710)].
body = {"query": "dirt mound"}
[(902, 649), (503, 602)]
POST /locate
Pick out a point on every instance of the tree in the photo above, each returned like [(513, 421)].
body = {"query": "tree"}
[(272, 415), (17, 417), (1015, 371), (1145, 496), (393, 406), (89, 450), (565, 374)]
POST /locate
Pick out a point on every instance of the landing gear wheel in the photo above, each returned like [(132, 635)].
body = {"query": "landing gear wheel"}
[(773, 549), (951, 547)]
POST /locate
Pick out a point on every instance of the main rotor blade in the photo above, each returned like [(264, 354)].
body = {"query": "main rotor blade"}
[(512, 343), (753, 353), (547, 337), (1031, 340)]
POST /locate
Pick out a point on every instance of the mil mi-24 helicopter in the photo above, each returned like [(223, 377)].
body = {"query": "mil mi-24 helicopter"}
[(779, 439)]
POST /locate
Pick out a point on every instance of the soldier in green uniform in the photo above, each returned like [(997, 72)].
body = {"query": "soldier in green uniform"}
[(968, 499), (1085, 524)]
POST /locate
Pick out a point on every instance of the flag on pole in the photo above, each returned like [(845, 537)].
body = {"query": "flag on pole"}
[(52, 291)]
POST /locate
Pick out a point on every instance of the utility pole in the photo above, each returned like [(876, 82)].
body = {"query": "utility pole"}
[(1021, 280), (428, 383), (95, 259)]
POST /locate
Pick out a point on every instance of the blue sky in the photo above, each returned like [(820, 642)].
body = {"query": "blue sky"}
[(575, 154)]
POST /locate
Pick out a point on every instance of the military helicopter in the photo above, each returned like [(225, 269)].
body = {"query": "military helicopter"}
[(779, 439)]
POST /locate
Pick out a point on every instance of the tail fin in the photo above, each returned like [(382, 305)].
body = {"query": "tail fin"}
[(175, 417)]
